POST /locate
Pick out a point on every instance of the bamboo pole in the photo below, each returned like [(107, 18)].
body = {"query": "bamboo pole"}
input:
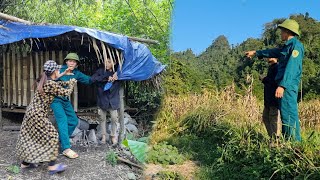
[(121, 115), (47, 57), (12, 18), (31, 79), (15, 19), (41, 62), (60, 60), (19, 79), (37, 68), (129, 162), (14, 78), (149, 41), (25, 76), (4, 77), (8, 78), (53, 56)]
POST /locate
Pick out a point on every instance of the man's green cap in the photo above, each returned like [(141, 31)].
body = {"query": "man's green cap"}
[(291, 25)]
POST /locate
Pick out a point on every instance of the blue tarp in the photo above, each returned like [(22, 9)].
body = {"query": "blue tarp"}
[(139, 64)]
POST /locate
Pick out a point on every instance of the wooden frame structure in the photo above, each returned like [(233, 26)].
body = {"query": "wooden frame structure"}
[(21, 67)]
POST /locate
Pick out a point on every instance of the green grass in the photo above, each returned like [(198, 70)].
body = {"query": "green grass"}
[(228, 140), (226, 154)]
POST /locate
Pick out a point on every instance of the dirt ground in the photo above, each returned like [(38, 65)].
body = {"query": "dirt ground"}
[(187, 169), (91, 163)]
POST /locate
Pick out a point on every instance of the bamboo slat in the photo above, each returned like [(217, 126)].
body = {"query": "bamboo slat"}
[(8, 79), (41, 62), (25, 75), (19, 79), (53, 56), (4, 76), (60, 59), (47, 57), (12, 79), (37, 63), (31, 78)]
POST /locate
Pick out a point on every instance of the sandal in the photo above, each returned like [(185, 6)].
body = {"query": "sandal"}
[(60, 168), (30, 166), (70, 154)]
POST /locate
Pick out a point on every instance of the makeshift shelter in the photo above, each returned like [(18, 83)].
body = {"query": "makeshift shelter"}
[(26, 46)]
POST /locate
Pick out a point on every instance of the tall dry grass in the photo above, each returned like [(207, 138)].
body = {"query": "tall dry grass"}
[(309, 113), (227, 105), (223, 130)]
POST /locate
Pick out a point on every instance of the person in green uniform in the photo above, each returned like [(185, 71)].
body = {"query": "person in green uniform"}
[(288, 77), (64, 114)]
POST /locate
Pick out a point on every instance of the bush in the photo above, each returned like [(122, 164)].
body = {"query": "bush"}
[(163, 153)]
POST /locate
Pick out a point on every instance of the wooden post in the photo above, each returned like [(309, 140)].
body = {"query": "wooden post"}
[(121, 115)]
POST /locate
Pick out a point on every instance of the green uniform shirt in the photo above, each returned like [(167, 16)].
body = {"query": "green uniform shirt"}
[(79, 76), (290, 58)]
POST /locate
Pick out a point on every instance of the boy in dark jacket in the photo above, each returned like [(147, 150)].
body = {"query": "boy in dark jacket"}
[(107, 99), (271, 115)]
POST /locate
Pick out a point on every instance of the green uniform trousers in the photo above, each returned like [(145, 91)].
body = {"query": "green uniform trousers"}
[(289, 115), (66, 119)]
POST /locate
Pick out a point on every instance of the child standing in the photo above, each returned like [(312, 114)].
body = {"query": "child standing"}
[(271, 115), (107, 99)]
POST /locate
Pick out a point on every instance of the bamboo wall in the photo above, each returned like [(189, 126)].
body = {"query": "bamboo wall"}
[(19, 73)]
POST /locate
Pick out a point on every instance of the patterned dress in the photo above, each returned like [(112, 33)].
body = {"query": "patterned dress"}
[(38, 139)]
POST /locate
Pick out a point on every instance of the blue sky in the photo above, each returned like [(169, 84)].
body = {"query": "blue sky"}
[(196, 23)]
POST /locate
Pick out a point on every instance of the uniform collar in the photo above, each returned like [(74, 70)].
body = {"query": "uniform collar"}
[(291, 40)]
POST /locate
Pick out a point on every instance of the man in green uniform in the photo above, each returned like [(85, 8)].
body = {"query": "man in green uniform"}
[(288, 77), (64, 114)]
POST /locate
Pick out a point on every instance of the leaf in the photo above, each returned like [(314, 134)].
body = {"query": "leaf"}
[(138, 149), (143, 139), (14, 169)]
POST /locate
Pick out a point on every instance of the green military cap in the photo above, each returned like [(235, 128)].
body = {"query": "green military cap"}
[(72, 56), (291, 25)]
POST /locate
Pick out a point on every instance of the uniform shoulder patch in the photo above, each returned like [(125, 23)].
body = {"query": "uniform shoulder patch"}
[(295, 53)]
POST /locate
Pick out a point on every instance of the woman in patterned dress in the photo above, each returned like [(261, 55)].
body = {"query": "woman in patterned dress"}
[(38, 139)]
